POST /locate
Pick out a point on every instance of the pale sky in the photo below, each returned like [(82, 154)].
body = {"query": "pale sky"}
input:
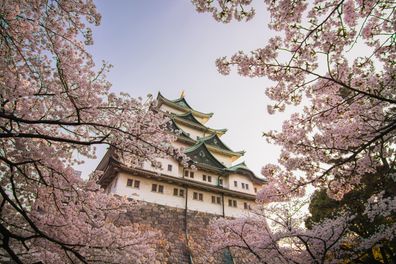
[(167, 46)]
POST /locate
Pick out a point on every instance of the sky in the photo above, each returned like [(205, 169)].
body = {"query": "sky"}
[(167, 46)]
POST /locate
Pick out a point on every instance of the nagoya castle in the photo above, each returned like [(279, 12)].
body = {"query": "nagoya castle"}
[(220, 184)]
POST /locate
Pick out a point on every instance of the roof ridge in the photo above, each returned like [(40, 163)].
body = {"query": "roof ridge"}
[(202, 144), (181, 106)]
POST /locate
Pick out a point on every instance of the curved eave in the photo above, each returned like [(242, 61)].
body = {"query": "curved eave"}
[(162, 99), (183, 182), (188, 116), (241, 168), (200, 127), (221, 148), (209, 168), (250, 174), (183, 134), (234, 155), (202, 146)]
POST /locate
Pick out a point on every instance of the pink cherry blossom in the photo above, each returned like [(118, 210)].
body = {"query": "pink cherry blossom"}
[(337, 58), (55, 107)]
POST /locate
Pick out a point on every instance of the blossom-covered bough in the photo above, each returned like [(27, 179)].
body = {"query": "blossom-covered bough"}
[(55, 107), (336, 59)]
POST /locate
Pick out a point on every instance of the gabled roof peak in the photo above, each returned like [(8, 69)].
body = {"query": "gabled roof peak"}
[(243, 168), (182, 104), (199, 153), (214, 140), (190, 119)]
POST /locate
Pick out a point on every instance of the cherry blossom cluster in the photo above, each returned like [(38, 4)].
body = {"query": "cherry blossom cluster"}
[(226, 10), (54, 108), (335, 59), (275, 234), (347, 126)]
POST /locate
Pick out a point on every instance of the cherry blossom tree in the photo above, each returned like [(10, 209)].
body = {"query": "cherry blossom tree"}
[(54, 106), (336, 59)]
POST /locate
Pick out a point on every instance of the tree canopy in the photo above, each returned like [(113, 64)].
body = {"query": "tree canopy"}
[(55, 105), (344, 133)]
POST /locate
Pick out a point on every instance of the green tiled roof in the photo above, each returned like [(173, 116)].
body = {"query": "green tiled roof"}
[(241, 165), (200, 154), (189, 117), (172, 126), (243, 169), (215, 141), (182, 103)]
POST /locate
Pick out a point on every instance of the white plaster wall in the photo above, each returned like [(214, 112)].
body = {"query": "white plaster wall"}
[(144, 192), (167, 198), (240, 179), (258, 187), (164, 170), (169, 109), (226, 160), (238, 211), (172, 110), (198, 177), (194, 133), (206, 205)]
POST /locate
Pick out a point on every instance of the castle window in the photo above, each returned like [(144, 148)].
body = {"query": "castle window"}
[(255, 189), (235, 184), (243, 185), (178, 192), (191, 174), (169, 167), (157, 188), (185, 173), (136, 184), (216, 199), (198, 196), (232, 203), (220, 182), (247, 186), (209, 178), (204, 177), (245, 205), (129, 182)]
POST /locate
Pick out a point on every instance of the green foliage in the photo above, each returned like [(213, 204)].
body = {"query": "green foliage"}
[(322, 207)]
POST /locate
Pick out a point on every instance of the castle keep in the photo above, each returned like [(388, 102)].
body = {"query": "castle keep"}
[(218, 185), (180, 201)]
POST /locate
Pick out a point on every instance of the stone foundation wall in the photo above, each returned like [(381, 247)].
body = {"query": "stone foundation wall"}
[(171, 223)]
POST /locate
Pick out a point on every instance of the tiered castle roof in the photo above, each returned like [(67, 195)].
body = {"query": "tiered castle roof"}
[(201, 149)]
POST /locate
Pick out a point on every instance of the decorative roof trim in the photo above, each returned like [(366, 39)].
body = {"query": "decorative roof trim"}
[(241, 167), (199, 147), (199, 125), (222, 146), (187, 117), (181, 181), (172, 103), (183, 133)]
